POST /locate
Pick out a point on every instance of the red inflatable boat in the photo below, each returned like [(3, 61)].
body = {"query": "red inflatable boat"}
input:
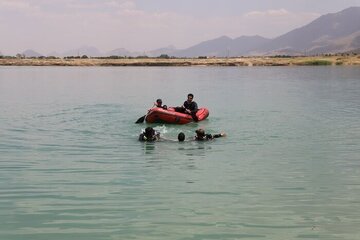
[(160, 115)]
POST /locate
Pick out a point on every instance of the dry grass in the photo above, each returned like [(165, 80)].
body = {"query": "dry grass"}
[(244, 61)]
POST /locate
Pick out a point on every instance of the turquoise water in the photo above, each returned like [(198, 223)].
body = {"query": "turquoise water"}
[(71, 166)]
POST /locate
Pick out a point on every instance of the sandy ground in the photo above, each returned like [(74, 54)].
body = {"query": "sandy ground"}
[(244, 61)]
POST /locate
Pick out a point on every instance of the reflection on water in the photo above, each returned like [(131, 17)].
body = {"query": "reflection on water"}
[(149, 147), (71, 166)]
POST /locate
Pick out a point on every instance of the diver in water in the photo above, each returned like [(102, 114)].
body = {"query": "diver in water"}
[(181, 137), (149, 135), (202, 136)]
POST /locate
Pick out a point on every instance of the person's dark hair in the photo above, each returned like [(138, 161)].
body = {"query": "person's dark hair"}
[(181, 137), (159, 100), (200, 132), (191, 95), (149, 132)]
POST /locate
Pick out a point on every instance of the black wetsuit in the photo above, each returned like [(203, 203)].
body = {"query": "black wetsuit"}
[(153, 138), (192, 106), (208, 137), (161, 106)]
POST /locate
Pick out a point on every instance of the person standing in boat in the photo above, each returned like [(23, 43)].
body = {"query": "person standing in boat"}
[(189, 107), (149, 135), (158, 104)]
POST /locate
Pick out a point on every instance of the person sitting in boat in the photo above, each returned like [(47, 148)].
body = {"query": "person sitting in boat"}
[(149, 135), (189, 107), (158, 104), (202, 136)]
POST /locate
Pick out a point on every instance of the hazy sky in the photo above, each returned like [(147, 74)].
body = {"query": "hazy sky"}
[(140, 25)]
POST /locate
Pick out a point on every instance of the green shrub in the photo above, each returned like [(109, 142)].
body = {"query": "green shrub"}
[(164, 56), (316, 63)]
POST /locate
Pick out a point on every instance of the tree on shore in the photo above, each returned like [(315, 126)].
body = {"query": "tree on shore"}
[(19, 55), (164, 56)]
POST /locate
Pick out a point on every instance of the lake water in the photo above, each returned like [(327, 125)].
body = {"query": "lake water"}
[(71, 166)]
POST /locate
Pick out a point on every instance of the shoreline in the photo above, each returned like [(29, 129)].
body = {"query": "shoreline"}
[(336, 60)]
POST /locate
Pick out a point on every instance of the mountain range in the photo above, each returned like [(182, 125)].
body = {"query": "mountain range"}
[(331, 33)]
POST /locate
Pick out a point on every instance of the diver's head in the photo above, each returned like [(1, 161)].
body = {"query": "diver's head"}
[(200, 132), (181, 137), (159, 102), (149, 132)]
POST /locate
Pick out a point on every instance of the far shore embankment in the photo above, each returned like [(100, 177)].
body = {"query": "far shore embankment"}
[(335, 60)]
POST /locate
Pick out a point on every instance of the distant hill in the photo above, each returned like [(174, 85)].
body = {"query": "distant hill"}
[(86, 50), (357, 51), (224, 47), (244, 44), (214, 47), (330, 33), (119, 52), (122, 52), (335, 32), (31, 53), (169, 50), (54, 54)]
